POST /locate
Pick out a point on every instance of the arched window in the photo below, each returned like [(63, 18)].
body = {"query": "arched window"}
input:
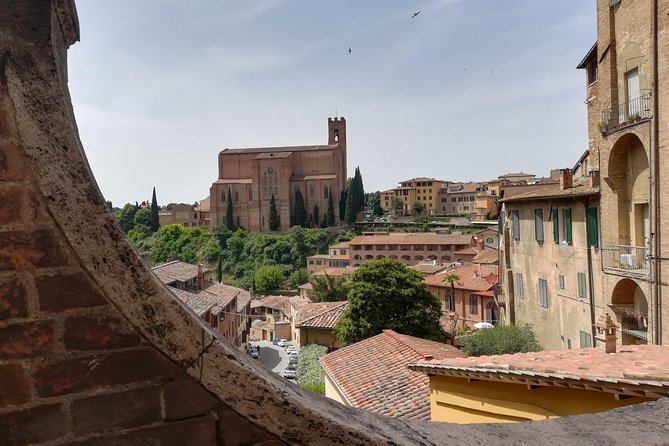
[(336, 135), (325, 192), (473, 304), (311, 191), (236, 196), (379, 257), (264, 191), (276, 191), (276, 180)]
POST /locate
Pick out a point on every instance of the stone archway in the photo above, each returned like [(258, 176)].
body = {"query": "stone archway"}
[(630, 306)]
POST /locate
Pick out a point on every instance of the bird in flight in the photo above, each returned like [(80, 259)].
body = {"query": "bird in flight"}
[(349, 50), (415, 14)]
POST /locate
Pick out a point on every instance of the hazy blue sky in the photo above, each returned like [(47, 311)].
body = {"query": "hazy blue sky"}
[(467, 90)]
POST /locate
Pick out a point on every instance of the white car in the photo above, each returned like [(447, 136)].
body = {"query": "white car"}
[(290, 372), (291, 349), (281, 343)]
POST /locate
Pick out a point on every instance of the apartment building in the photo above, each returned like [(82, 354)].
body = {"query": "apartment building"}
[(627, 92), (186, 215), (423, 191), (460, 197), (338, 256)]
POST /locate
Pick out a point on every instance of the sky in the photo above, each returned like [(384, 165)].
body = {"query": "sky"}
[(465, 91)]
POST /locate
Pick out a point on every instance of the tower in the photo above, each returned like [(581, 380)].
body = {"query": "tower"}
[(337, 135)]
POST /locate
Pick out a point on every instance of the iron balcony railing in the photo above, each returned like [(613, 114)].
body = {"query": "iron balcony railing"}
[(626, 113), (628, 260), (632, 322)]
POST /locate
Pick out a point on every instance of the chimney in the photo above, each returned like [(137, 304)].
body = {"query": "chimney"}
[(566, 179), (606, 334), (200, 277), (594, 178)]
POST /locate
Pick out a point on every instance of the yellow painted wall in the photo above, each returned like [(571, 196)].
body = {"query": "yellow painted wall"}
[(456, 400), (316, 336), (332, 392)]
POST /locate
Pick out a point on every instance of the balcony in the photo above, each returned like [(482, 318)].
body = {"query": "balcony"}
[(626, 114), (624, 260), (632, 323)]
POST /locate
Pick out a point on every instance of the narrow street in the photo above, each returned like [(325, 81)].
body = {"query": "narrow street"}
[(273, 357)]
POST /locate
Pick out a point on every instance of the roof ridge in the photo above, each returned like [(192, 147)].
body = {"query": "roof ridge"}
[(324, 311), (398, 338), (168, 263)]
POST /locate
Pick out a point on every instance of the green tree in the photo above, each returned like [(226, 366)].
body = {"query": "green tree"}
[(417, 208), (229, 220), (126, 217), (385, 294), (154, 223), (142, 217), (342, 204), (501, 340), (297, 278), (328, 288), (268, 278), (396, 205), (310, 373), (317, 216), (300, 212), (351, 211), (219, 269), (273, 220), (359, 191), (330, 215)]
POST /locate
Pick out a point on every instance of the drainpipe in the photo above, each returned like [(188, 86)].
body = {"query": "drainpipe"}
[(655, 232)]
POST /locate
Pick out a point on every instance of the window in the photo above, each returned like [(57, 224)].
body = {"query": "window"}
[(562, 231), (586, 339), (311, 191), (569, 344), (222, 196), (450, 301), (520, 291), (539, 225), (582, 284), (567, 226), (473, 304), (543, 293), (250, 194), (515, 223), (592, 226), (236, 196), (561, 282)]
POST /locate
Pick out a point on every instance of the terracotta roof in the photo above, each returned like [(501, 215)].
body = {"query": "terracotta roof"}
[(553, 191), (475, 277), (175, 271), (332, 271), (243, 299), (468, 251), (340, 245), (235, 151), (428, 268), (515, 175), (200, 304), (373, 374), (463, 188), (630, 366), (297, 302), (412, 238), (320, 314), (422, 179), (234, 181), (281, 303), (487, 256)]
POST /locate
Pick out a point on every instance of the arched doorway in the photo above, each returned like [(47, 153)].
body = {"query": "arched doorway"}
[(630, 306), (491, 313)]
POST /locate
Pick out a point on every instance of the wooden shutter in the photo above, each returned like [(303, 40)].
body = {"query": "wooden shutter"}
[(592, 226), (567, 225), (515, 222), (556, 226), (539, 224)]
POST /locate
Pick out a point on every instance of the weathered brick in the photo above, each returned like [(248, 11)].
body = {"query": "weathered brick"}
[(27, 340), (12, 200), (38, 424), (96, 332), (99, 371), (21, 250), (13, 299), (10, 166), (124, 409), (57, 293), (196, 431), (235, 430), (185, 398), (14, 386)]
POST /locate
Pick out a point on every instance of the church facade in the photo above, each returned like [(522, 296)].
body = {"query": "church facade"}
[(251, 176)]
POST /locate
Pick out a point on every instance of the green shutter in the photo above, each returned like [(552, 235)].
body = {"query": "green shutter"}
[(515, 223), (556, 226), (567, 224), (592, 226), (539, 225)]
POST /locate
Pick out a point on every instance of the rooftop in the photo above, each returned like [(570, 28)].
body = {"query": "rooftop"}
[(633, 369), (475, 277), (414, 238), (486, 256), (320, 314), (262, 150), (281, 303), (580, 189), (175, 271), (373, 374)]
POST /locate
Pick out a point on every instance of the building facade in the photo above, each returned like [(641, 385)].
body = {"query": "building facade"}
[(250, 177), (627, 80), (423, 191)]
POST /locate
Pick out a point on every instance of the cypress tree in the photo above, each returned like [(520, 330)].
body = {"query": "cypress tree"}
[(317, 215), (219, 269), (155, 223), (330, 215), (359, 190), (229, 222), (342, 204), (274, 221), (300, 212), (350, 214)]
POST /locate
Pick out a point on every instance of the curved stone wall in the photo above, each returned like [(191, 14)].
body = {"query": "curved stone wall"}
[(94, 350)]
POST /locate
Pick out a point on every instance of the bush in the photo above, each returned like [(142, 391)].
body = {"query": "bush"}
[(309, 371), (501, 340), (268, 278), (297, 278)]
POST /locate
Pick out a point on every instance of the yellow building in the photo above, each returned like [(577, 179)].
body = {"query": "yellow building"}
[(424, 191), (543, 385), (313, 323)]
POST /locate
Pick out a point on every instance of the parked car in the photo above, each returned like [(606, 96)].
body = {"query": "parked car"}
[(281, 343), (275, 341), (292, 359), (290, 372), (291, 349), (254, 351)]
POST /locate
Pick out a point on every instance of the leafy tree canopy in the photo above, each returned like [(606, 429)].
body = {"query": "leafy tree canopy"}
[(501, 340), (268, 278), (328, 288), (385, 294)]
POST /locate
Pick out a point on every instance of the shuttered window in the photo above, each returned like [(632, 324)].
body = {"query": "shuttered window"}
[(520, 291), (567, 226), (556, 226), (539, 225), (592, 226), (515, 222), (586, 339), (543, 293), (561, 282), (582, 291)]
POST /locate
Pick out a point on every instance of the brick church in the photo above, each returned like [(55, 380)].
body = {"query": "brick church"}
[(252, 175)]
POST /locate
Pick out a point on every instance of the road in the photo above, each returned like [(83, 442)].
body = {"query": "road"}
[(273, 357)]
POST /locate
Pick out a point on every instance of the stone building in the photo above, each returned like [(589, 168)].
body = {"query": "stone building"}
[(184, 214), (423, 191), (627, 78), (251, 176)]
